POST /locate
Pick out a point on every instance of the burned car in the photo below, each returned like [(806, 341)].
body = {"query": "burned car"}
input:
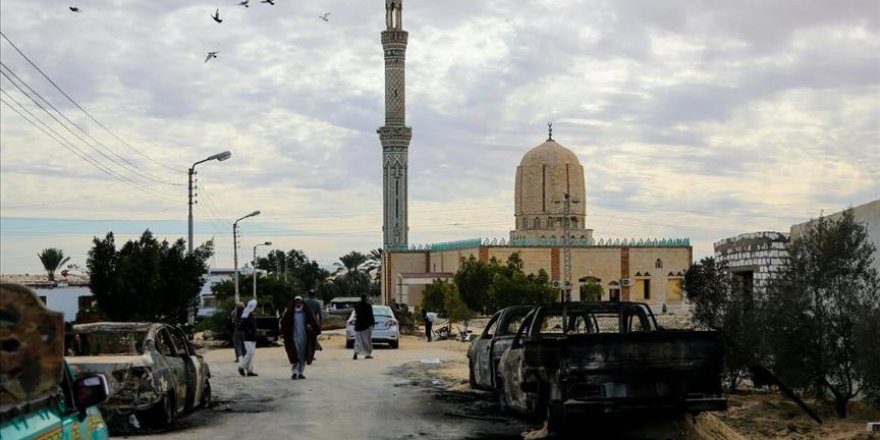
[(153, 371)]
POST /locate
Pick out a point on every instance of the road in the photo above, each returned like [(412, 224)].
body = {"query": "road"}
[(398, 395)]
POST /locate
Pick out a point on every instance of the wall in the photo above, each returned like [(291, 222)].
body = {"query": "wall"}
[(763, 254), (63, 299), (867, 214)]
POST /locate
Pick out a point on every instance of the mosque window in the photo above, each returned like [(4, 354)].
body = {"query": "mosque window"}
[(537, 223), (658, 264), (574, 222), (550, 223)]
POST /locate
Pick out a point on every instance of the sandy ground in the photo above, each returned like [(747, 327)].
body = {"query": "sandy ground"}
[(420, 391)]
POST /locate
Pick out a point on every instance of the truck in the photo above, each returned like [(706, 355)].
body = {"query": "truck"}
[(574, 360), (41, 396)]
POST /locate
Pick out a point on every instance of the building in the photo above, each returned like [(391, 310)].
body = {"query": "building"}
[(550, 233), (758, 256), (68, 295)]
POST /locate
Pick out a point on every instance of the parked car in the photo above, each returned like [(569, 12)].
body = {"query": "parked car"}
[(152, 368), (386, 329), (342, 305), (41, 397), (571, 360), (485, 351)]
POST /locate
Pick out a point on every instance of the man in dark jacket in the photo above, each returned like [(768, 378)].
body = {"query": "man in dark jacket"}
[(248, 326), (363, 328)]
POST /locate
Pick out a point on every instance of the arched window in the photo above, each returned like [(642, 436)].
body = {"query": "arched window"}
[(537, 223), (658, 264), (550, 223), (574, 223)]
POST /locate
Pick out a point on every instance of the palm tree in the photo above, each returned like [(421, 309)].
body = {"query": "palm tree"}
[(374, 264), (52, 259), (351, 274)]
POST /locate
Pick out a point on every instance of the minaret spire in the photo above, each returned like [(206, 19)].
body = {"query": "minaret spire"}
[(394, 135)]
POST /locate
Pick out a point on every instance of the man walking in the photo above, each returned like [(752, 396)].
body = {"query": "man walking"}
[(428, 323), (314, 306), (363, 329), (248, 326), (300, 331)]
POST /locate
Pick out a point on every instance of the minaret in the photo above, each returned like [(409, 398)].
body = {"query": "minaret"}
[(394, 135)]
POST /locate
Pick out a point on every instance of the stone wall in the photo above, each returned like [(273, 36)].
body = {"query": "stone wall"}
[(761, 254)]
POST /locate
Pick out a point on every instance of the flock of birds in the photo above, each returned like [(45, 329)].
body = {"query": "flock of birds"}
[(216, 17)]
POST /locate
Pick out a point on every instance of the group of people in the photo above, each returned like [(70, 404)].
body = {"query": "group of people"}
[(300, 326)]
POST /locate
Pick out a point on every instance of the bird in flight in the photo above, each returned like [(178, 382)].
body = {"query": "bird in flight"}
[(211, 55), (325, 17), (75, 9), (245, 3), (216, 16), (271, 2)]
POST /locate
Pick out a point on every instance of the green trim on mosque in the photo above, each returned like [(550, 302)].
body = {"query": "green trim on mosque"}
[(543, 242)]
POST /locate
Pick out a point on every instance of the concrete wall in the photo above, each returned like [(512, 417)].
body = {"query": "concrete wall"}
[(867, 214), (609, 264), (63, 299)]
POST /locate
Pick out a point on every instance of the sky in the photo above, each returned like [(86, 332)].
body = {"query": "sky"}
[(692, 119)]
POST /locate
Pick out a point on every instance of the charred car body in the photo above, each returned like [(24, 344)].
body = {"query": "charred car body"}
[(153, 370), (485, 351), (600, 358)]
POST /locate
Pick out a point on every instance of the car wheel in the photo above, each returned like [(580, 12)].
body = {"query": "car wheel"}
[(349, 344), (556, 417), (206, 395), (395, 344), (162, 413), (472, 379)]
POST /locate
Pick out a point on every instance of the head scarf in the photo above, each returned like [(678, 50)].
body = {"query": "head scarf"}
[(300, 307), (251, 306)]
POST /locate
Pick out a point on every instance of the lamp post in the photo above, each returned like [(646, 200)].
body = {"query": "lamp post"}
[(192, 170), (235, 250), (268, 243)]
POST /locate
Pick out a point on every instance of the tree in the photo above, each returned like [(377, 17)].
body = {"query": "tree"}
[(591, 290), (720, 303), (825, 310), (474, 278), (52, 259), (434, 296), (351, 276), (146, 280)]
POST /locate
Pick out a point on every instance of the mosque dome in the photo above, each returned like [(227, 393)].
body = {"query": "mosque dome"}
[(544, 176)]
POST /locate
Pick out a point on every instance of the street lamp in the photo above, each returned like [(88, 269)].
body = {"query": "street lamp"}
[(268, 243), (235, 249), (192, 170)]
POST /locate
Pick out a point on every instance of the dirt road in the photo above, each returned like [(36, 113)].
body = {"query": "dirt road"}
[(394, 396)]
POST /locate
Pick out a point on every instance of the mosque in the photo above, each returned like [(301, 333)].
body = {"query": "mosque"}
[(550, 219)]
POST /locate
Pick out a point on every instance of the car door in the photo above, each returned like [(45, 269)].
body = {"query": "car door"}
[(201, 368), (508, 325), (190, 368), (482, 357), (171, 352), (511, 365)]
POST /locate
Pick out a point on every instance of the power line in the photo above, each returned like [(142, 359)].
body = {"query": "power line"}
[(132, 167), (72, 148), (81, 108)]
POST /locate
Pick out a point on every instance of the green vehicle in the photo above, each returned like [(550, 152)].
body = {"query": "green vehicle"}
[(40, 395)]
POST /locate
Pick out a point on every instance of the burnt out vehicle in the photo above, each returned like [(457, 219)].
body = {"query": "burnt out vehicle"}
[(152, 369), (607, 358), (485, 351)]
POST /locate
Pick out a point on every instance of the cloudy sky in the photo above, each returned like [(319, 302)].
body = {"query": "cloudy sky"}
[(698, 119)]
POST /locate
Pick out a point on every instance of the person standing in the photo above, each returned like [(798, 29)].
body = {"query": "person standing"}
[(300, 330), (428, 323), (248, 326), (363, 328), (315, 307), (234, 321)]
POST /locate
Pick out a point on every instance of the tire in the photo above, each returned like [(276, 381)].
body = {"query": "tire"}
[(206, 395), (472, 379), (395, 344), (349, 344), (556, 417), (161, 415)]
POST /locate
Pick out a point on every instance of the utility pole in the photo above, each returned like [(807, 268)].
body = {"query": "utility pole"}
[(566, 244)]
